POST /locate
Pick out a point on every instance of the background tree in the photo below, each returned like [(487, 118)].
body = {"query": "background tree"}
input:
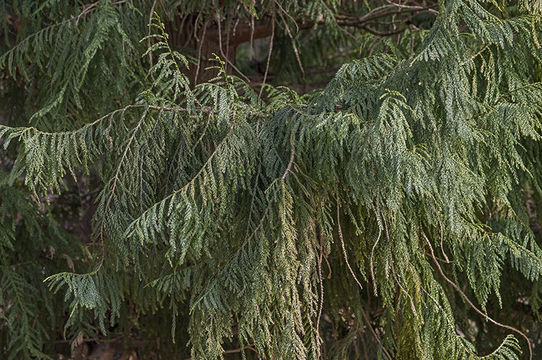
[(271, 179)]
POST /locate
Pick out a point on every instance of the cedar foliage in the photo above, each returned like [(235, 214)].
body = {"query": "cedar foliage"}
[(385, 211)]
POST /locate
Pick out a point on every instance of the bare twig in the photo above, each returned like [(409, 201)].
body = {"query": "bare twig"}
[(364, 314), (343, 246), (411, 7), (475, 55), (199, 52), (88, 7), (447, 260), (290, 162), (252, 35), (371, 267), (233, 351), (321, 280), (454, 285), (412, 306), (148, 36), (292, 39), (411, 50), (218, 21), (268, 56)]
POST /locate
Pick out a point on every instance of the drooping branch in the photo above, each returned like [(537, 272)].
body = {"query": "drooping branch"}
[(471, 304)]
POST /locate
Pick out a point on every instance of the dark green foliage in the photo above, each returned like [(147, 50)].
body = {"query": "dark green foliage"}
[(389, 206)]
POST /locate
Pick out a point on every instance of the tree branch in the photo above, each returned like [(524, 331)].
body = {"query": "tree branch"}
[(454, 285)]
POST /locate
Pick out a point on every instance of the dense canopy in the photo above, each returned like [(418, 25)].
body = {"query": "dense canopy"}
[(271, 179)]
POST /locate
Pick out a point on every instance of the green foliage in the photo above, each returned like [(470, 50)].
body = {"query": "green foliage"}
[(220, 205), (31, 245)]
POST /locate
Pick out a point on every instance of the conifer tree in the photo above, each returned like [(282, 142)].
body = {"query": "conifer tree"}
[(275, 179)]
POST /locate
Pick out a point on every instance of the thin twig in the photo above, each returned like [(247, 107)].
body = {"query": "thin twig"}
[(218, 21), (454, 285), (442, 240), (371, 267), (401, 6), (411, 51), (296, 52), (365, 354), (344, 248), (233, 351), (268, 56), (149, 37), (364, 314), (291, 161), (199, 52), (252, 35), (87, 8), (412, 306), (475, 55), (321, 280), (328, 267)]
